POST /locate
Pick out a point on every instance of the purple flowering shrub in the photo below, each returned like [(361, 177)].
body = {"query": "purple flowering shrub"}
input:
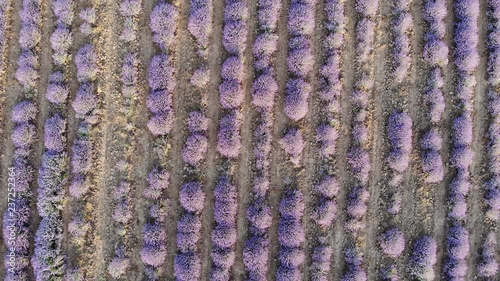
[(492, 195), (119, 265), (122, 212), (488, 266), (399, 131), (159, 102), (293, 144), (353, 259), (86, 63), (192, 197), (291, 235), (457, 250), (432, 163), (297, 94), (392, 242), (64, 11), (48, 259), (224, 233), (200, 23), (27, 69), (401, 27), (54, 139), (163, 24), (326, 136), (229, 138), (194, 149), (187, 266), (57, 91), (154, 251)]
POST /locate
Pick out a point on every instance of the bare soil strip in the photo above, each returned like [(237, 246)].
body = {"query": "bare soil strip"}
[(343, 143), (246, 160), (278, 170), (440, 200), (213, 106), (383, 100), (144, 157), (475, 201), (8, 93), (107, 91), (312, 160)]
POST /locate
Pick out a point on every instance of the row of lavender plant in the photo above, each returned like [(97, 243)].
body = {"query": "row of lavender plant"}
[(399, 132), (200, 26), (18, 214), (16, 220), (49, 259), (466, 60), (358, 157), (231, 95), (123, 208), (192, 198), (423, 256), (488, 265), (326, 189), (187, 261), (300, 60), (264, 89), (402, 25), (436, 56), (224, 234), (163, 25), (85, 106)]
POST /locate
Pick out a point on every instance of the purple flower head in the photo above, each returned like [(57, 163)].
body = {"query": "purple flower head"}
[(161, 124), (54, 133), (197, 122), (224, 236), (163, 24), (86, 63), (291, 257), (264, 91), (158, 180), (195, 149), (192, 197), (229, 139), (392, 242), (296, 104), (23, 112), (293, 144), (85, 100), (292, 204), (23, 135)]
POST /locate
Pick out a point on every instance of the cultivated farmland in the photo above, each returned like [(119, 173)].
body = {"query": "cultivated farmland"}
[(250, 140)]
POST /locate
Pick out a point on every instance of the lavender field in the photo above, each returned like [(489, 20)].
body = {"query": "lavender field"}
[(250, 140)]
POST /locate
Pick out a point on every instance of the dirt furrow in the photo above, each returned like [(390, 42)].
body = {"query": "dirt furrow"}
[(422, 193), (9, 89), (383, 99), (144, 163), (247, 157), (278, 170), (440, 201), (340, 237), (107, 91), (476, 207), (213, 113)]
